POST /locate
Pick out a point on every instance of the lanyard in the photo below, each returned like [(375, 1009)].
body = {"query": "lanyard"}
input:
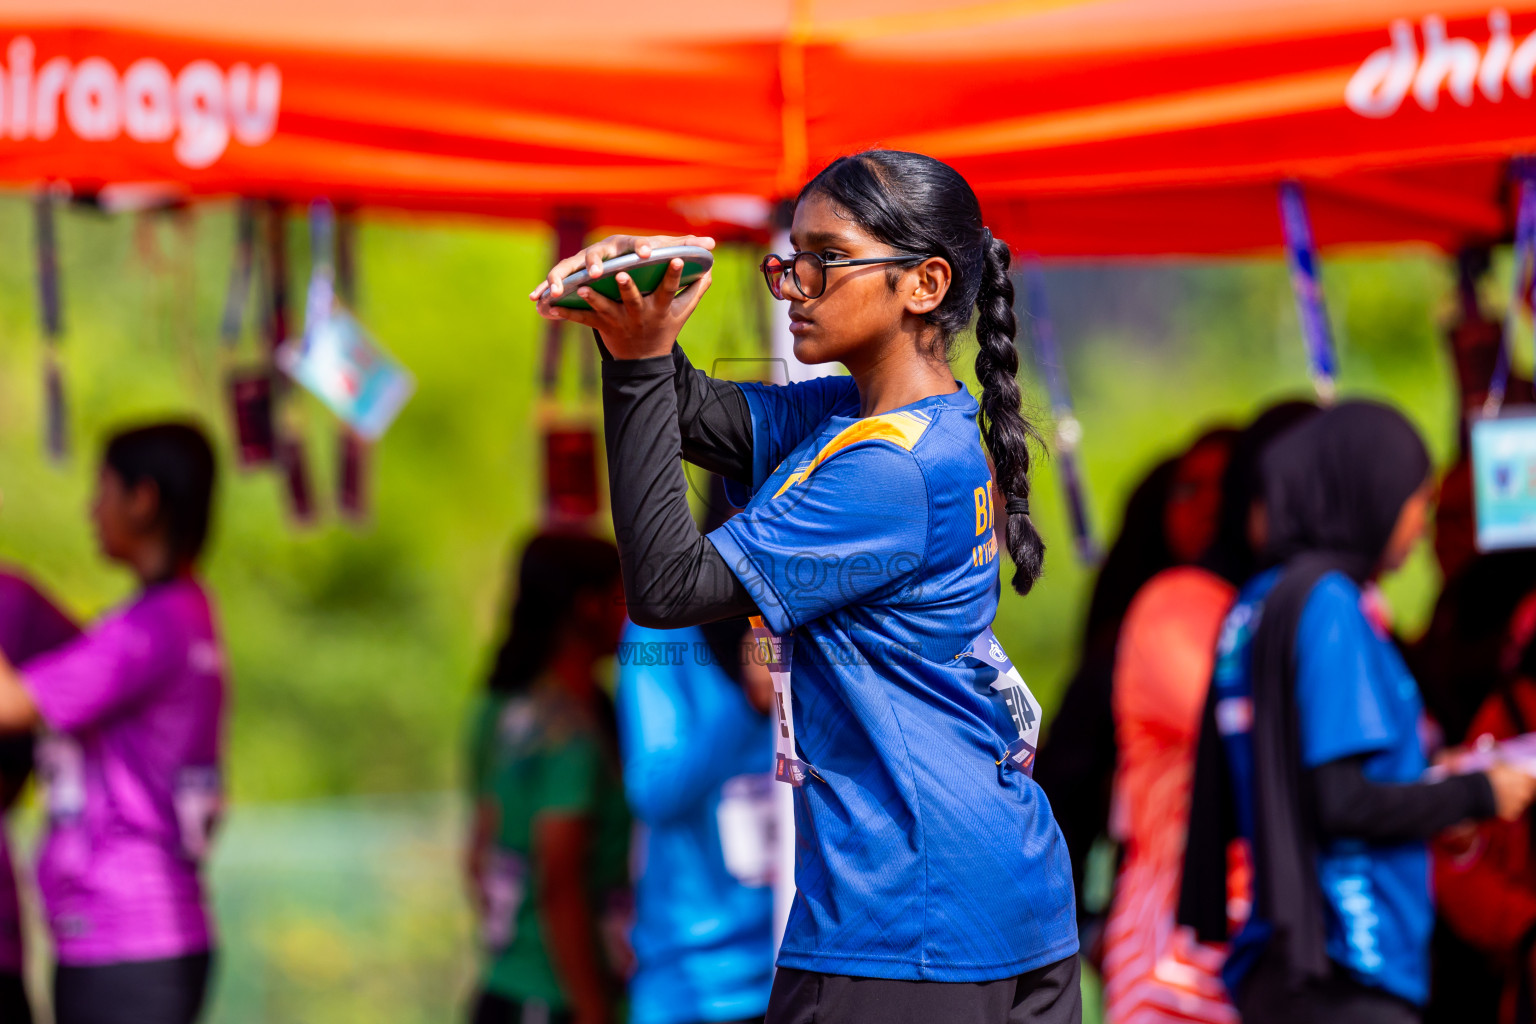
[(1069, 432), (56, 426), (1301, 255), (238, 295), (777, 652), (1525, 269)]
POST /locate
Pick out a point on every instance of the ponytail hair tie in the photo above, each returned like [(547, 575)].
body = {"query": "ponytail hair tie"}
[(1017, 506)]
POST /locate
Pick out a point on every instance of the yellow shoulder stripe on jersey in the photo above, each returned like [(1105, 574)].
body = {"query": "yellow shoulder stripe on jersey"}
[(900, 428)]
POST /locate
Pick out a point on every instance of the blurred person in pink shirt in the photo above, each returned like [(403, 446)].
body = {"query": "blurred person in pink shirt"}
[(1155, 971), (132, 714)]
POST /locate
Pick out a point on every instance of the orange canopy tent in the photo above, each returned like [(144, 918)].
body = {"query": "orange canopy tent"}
[(1089, 127)]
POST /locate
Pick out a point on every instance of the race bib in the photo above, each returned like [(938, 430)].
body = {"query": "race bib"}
[(777, 652), (748, 828), (199, 804), (503, 886), (1022, 707), (61, 766)]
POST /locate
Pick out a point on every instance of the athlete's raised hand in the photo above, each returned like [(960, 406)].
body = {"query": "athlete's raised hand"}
[(638, 325), (591, 258)]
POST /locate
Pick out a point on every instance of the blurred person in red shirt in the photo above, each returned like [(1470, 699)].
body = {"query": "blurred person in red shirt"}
[(1170, 518)]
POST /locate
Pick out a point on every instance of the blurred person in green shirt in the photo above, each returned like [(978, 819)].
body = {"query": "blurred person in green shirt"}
[(549, 849)]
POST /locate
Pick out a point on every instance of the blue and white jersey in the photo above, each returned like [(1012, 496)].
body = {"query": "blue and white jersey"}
[(1355, 697), (696, 772), (920, 855)]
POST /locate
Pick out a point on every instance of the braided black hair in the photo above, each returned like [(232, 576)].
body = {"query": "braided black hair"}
[(915, 203)]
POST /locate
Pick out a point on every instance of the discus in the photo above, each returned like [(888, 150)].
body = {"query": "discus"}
[(646, 272)]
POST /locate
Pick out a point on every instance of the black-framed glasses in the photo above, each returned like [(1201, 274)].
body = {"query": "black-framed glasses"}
[(808, 270)]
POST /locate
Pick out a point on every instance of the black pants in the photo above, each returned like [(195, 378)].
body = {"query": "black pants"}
[(491, 1008), (1048, 995), (1267, 997), (14, 1008), (138, 992)]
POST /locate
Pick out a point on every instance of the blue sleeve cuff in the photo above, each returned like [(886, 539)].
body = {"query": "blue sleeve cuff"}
[(770, 604)]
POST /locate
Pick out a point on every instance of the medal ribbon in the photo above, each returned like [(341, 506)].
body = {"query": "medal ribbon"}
[(56, 423), (1069, 432), (1301, 255), (1524, 281)]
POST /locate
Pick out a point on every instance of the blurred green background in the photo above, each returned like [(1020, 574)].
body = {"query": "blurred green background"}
[(355, 650)]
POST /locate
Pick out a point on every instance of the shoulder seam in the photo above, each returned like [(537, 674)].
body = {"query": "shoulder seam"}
[(902, 434)]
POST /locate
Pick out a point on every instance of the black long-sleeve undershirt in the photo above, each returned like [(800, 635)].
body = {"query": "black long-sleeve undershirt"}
[(1350, 806), (714, 420), (673, 576)]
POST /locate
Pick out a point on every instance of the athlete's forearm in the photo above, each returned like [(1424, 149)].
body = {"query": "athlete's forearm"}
[(673, 576), (712, 415), (1350, 806)]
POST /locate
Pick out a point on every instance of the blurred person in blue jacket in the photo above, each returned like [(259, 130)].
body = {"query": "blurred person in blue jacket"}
[(697, 745)]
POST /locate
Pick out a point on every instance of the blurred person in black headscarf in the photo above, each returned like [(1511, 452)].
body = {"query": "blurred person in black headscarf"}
[(1154, 971), (1310, 749)]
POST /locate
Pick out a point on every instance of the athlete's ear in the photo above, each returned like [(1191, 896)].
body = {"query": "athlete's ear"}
[(929, 282)]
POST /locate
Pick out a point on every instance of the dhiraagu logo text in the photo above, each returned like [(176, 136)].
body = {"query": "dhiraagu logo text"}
[(198, 109), (985, 552), (1446, 64)]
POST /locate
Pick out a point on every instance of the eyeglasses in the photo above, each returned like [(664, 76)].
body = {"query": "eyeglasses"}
[(808, 271)]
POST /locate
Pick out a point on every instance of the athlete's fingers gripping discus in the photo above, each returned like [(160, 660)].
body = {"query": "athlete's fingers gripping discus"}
[(553, 283), (629, 294), (583, 317), (664, 298), (687, 300), (591, 258)]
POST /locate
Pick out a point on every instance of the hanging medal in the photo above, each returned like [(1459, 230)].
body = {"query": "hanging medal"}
[(337, 360), (356, 453), (249, 386), (1301, 255), (292, 459), (1069, 432)]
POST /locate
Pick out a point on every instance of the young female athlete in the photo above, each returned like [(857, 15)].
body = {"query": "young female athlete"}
[(133, 711), (932, 882)]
